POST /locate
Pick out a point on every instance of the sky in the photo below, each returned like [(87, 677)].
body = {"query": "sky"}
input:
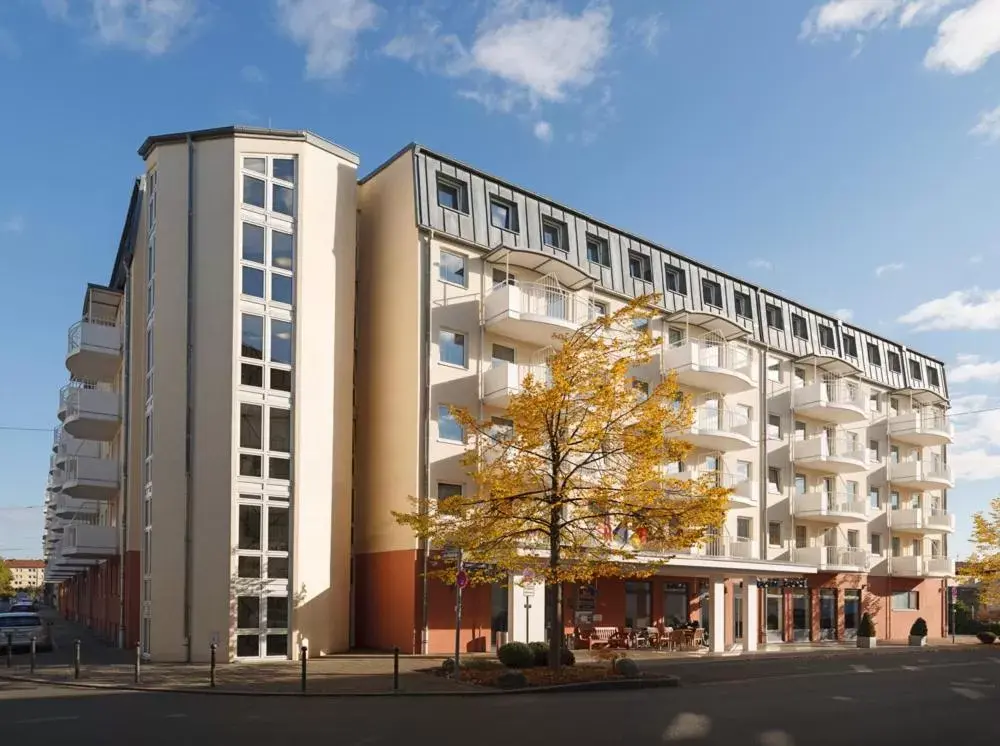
[(844, 153)]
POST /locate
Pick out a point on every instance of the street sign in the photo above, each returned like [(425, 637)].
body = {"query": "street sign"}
[(528, 578), (954, 593), (462, 579)]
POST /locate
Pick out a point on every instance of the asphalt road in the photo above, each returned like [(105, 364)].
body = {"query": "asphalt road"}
[(911, 699)]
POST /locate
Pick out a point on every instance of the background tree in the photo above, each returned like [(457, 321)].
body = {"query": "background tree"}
[(572, 485), (984, 565), (6, 579)]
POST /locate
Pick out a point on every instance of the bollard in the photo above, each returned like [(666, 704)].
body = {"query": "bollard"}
[(76, 658), (395, 669), (33, 651), (305, 657), (10, 647), (138, 662), (211, 669)]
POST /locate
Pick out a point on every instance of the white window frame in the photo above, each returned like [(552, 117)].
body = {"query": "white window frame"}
[(464, 365)]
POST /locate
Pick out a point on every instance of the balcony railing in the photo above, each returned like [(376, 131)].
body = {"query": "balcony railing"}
[(89, 410), (725, 546), (833, 505), (533, 311), (922, 520), (832, 556), (94, 348), (502, 380), (926, 427), (837, 454), (917, 566), (926, 475), (834, 400), (711, 364)]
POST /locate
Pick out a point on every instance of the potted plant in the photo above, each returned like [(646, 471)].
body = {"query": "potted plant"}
[(918, 633), (866, 632)]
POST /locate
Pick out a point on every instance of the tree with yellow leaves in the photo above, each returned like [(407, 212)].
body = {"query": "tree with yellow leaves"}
[(984, 565), (572, 483)]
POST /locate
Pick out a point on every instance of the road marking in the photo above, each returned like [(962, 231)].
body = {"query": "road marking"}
[(911, 668), (54, 719), (821, 675), (861, 669), (842, 698), (688, 726), (775, 738), (973, 694)]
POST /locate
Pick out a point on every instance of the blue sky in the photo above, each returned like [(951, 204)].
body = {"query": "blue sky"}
[(844, 153)]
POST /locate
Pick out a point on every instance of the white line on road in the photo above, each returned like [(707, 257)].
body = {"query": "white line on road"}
[(842, 698), (968, 693), (821, 674), (54, 719), (688, 726), (775, 738), (911, 668), (861, 669)]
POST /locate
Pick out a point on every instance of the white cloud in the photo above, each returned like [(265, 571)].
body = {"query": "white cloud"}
[(761, 264), (974, 370), (844, 314), (329, 31), (252, 74), (646, 31), (972, 309), (839, 16), (543, 131), (966, 38), (988, 125), (150, 26), (12, 224), (976, 259), (916, 11), (891, 267), (964, 358), (975, 456)]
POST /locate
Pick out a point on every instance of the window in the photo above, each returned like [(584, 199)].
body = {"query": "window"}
[(741, 303), (711, 293), (253, 243), (639, 266), (906, 601), (874, 356), (452, 194), (850, 345), (451, 268), (799, 327), (744, 528), (640, 325), (501, 278), (874, 402), (876, 543), (448, 427), (249, 528), (252, 336), (503, 354), (915, 372), (932, 376), (598, 252), (774, 533), (773, 315), (251, 426), (801, 537), (447, 490), (800, 484), (278, 173), (773, 480), (277, 529), (642, 387), (826, 339), (874, 452), (254, 191), (279, 437), (773, 370), (600, 308), (554, 234), (674, 279), (281, 342), (451, 348), (503, 214), (774, 426), (800, 430), (895, 364), (853, 537)]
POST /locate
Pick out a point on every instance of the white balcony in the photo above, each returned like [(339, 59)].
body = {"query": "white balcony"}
[(830, 507), (744, 489), (922, 521), (502, 380), (833, 400), (922, 567), (71, 507), (94, 351), (832, 558), (725, 546), (830, 455), (921, 475), (923, 427), (711, 364), (534, 313), (88, 412), (719, 429), (90, 542), (68, 446), (91, 478)]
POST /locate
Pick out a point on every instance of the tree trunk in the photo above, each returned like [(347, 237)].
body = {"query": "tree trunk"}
[(553, 593)]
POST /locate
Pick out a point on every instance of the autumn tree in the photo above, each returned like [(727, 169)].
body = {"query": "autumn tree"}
[(6, 579), (572, 483), (984, 565)]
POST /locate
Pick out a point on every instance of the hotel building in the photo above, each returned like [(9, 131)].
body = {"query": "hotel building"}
[(291, 411)]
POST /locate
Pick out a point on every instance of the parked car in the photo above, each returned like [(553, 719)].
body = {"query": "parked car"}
[(20, 627)]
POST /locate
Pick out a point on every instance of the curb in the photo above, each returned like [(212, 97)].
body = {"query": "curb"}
[(649, 682)]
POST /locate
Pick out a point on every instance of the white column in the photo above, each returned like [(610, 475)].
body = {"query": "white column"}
[(525, 624), (716, 615), (751, 614)]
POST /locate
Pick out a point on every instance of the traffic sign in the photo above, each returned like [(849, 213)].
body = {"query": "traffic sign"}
[(462, 579), (954, 593), (528, 577)]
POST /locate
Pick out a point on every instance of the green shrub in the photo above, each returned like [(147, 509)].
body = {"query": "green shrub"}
[(867, 626), (541, 652), (516, 655), (987, 637), (919, 628)]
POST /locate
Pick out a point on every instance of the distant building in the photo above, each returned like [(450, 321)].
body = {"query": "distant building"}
[(26, 573)]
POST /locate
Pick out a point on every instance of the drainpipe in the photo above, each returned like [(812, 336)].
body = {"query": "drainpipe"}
[(188, 434), (127, 449), (425, 323)]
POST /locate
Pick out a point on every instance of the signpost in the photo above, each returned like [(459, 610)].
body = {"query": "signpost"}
[(461, 580), (528, 585), (954, 601)]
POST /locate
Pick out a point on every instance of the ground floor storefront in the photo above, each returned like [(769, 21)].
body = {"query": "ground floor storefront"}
[(93, 597)]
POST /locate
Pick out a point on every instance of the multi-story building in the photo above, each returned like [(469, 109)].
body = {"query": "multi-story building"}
[(291, 412), (26, 574)]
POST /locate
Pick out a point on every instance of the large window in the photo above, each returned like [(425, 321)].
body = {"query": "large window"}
[(906, 601), (267, 256), (272, 370), (269, 184), (449, 428)]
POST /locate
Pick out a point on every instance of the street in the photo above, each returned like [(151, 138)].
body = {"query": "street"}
[(901, 698)]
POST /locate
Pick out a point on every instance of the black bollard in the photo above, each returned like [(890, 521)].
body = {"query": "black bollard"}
[(305, 657), (76, 658), (211, 670), (395, 669), (138, 662), (10, 648), (33, 652)]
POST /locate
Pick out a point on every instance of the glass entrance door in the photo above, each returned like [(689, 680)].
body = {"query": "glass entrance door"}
[(675, 604), (827, 614), (800, 616), (775, 616), (738, 592), (852, 613)]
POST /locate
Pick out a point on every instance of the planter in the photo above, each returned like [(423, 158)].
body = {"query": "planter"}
[(917, 641), (866, 642)]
